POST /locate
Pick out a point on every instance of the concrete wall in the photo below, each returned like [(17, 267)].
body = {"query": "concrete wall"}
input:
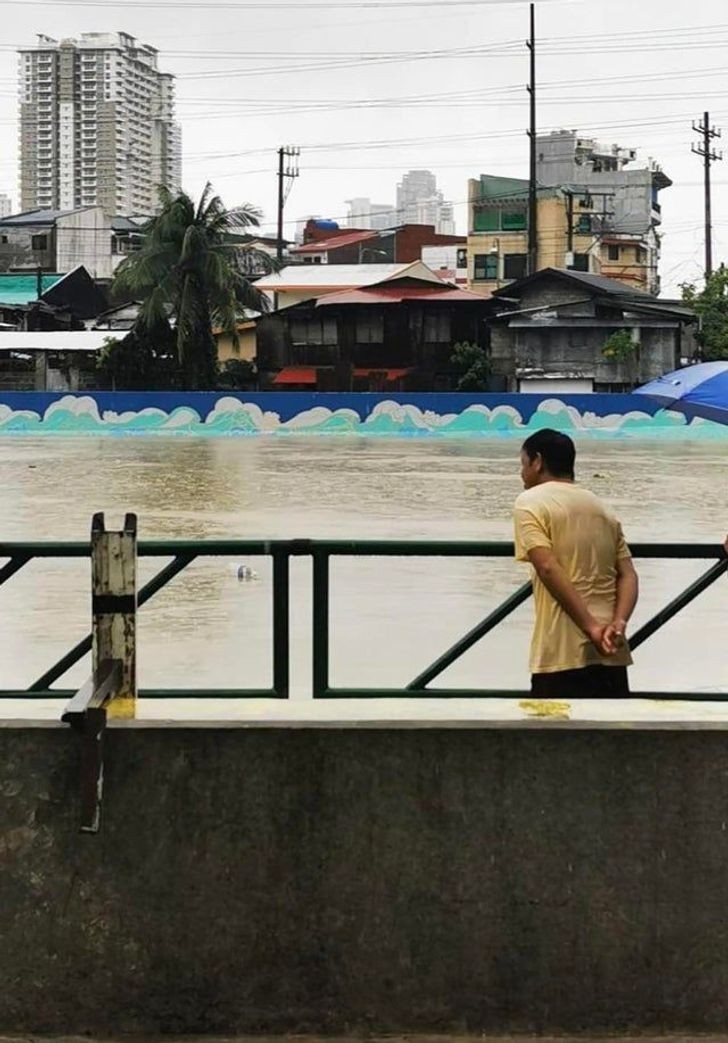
[(384, 880), (84, 237)]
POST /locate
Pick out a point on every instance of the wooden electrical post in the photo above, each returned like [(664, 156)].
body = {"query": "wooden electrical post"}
[(113, 605)]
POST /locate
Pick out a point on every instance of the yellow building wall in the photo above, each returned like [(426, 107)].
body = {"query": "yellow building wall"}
[(628, 268), (246, 350)]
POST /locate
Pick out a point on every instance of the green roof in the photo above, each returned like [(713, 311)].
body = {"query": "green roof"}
[(23, 289)]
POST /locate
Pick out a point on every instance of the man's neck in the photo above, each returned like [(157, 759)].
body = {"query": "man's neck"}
[(550, 478)]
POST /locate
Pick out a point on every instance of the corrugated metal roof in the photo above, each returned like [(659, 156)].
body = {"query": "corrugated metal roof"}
[(35, 217), (57, 340), (335, 243), (323, 278), (316, 276), (396, 294), (22, 289)]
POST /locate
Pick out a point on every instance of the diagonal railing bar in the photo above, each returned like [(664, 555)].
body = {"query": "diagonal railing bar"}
[(148, 591), (15, 564), (471, 638), (678, 604)]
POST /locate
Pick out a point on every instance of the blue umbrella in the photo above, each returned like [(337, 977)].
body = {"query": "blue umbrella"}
[(700, 390)]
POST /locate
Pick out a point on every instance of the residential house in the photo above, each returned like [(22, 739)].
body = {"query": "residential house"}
[(498, 232), (49, 301), (302, 282), (551, 332), (593, 215), (60, 240), (399, 244), (396, 332), (628, 196), (42, 360)]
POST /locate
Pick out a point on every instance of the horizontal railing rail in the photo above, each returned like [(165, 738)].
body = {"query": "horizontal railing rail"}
[(182, 553)]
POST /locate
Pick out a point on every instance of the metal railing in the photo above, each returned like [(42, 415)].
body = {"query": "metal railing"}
[(321, 552)]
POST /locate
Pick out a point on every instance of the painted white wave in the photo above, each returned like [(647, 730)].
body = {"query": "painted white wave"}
[(75, 406), (399, 415), (7, 414), (183, 416), (228, 408), (321, 416), (150, 413)]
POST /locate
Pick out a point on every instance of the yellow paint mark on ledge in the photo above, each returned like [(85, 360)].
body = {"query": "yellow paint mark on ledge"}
[(546, 708), (122, 708)]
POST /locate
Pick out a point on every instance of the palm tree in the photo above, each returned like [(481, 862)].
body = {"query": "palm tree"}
[(192, 272)]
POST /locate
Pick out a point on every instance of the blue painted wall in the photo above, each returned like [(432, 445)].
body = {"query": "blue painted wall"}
[(287, 413)]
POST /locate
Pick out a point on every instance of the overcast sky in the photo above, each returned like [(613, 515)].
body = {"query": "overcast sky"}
[(634, 72)]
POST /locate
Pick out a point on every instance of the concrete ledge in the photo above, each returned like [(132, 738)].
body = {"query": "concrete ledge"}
[(581, 714)]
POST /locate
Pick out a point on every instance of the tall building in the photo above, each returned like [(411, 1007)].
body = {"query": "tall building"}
[(96, 125), (419, 202), (6, 205)]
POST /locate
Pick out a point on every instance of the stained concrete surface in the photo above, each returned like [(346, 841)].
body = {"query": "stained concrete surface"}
[(366, 882)]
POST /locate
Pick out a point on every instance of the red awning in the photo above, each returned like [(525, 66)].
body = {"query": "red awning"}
[(296, 375)]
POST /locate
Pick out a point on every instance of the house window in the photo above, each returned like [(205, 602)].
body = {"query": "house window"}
[(370, 329), (613, 253), (462, 258), (641, 255), (486, 268), (3, 239), (581, 263), (39, 242), (486, 221), (313, 330), (500, 221), (437, 328), (513, 221), (514, 266)]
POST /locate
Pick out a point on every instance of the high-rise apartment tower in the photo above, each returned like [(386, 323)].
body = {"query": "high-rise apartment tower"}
[(96, 125)]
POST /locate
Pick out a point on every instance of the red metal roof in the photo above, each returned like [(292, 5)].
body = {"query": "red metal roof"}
[(335, 242), (296, 375), (391, 374), (393, 294)]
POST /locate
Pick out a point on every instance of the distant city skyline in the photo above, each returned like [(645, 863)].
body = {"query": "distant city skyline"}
[(368, 94), (418, 202)]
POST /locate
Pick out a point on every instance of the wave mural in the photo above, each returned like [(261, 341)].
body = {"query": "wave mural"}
[(287, 415)]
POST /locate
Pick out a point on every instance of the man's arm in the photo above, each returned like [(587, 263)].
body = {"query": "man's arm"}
[(558, 584), (627, 594)]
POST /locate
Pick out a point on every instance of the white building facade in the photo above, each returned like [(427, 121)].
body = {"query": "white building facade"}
[(97, 125)]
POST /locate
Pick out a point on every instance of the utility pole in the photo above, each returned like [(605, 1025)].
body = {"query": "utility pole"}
[(710, 156), (287, 173), (532, 193)]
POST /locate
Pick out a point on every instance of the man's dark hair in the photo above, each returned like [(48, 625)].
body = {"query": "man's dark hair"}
[(557, 452)]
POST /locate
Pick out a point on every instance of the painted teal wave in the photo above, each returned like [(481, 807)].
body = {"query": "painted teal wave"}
[(79, 415)]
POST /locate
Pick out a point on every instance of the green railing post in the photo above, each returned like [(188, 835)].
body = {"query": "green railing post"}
[(320, 622), (281, 624)]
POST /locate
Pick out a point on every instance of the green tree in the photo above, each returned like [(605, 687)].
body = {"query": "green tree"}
[(711, 306), (140, 361), (193, 273), (470, 361), (620, 346)]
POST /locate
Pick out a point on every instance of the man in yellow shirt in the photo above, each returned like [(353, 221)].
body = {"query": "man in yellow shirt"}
[(585, 586)]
